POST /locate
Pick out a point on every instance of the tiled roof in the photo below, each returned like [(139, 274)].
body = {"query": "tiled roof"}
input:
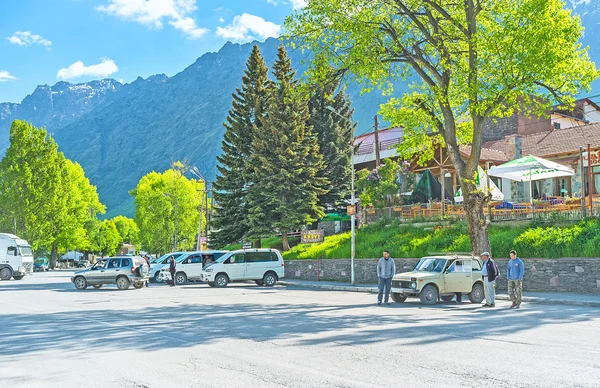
[(487, 154), (554, 142)]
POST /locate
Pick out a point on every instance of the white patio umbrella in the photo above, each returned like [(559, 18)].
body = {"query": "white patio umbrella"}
[(530, 168), (481, 180)]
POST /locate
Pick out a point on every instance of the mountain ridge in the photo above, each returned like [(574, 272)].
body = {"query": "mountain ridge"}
[(120, 132)]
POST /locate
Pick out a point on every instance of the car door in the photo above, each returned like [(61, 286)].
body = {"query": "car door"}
[(113, 268), (96, 272), (256, 265), (236, 267), (459, 277), (192, 266)]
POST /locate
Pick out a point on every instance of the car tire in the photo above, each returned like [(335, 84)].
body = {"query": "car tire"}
[(158, 278), (19, 277), (80, 283), (476, 295), (259, 282), (97, 286), (138, 285), (211, 284), (123, 283), (398, 297), (270, 279), (221, 280), (180, 278), (429, 295), (447, 298), (5, 273)]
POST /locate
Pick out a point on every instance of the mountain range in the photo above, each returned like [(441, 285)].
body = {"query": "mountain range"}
[(120, 132)]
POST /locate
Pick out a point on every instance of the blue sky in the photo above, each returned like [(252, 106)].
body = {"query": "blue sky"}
[(43, 42)]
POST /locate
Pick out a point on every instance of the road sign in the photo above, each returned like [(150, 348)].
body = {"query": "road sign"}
[(246, 245), (312, 236), (351, 210)]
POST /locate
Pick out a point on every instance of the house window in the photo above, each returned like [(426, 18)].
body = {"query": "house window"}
[(595, 180), (562, 187)]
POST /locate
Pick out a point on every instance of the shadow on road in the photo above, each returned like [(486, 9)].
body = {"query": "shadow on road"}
[(184, 325)]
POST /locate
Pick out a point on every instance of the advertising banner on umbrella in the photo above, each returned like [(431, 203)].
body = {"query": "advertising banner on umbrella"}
[(481, 180)]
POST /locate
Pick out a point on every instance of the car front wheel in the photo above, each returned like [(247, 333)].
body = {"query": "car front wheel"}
[(221, 281), (5, 273), (398, 298), (81, 283), (180, 278), (429, 295), (158, 278)]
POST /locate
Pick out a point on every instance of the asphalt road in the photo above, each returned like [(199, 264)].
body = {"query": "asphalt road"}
[(52, 335)]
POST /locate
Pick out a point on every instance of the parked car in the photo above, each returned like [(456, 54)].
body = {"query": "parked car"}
[(41, 264), (121, 270), (157, 264), (83, 263), (440, 277), (264, 266), (190, 265)]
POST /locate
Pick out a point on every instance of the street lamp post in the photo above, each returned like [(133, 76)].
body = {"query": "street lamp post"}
[(445, 174), (204, 202)]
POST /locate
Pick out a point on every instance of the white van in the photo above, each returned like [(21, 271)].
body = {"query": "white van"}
[(264, 266), (190, 265), (16, 257)]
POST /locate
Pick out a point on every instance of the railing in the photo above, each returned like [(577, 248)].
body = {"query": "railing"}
[(551, 209), (368, 149)]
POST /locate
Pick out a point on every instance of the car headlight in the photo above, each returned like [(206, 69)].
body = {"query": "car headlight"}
[(413, 285), (208, 270)]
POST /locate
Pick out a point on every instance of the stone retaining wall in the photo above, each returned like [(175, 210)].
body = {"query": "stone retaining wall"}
[(560, 275)]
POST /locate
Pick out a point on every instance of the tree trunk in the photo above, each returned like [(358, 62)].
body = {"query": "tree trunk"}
[(53, 255), (285, 242), (474, 202), (256, 243)]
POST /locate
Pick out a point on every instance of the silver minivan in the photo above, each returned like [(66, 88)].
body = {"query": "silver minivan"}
[(264, 266)]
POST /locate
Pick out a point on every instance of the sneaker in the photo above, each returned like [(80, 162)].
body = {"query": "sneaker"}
[(387, 303), (378, 303), (518, 306), (485, 305), (492, 305), (512, 306)]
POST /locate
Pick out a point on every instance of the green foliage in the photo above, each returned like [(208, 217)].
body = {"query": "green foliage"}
[(406, 241), (128, 230), (286, 161), (383, 185), (331, 121), (167, 211), (46, 198), (245, 118)]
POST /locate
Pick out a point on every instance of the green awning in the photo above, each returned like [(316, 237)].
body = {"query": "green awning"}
[(336, 217)]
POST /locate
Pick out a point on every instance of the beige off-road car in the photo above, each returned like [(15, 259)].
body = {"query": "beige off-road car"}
[(442, 277)]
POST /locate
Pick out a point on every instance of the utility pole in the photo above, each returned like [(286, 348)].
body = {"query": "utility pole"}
[(582, 173), (590, 180), (376, 142)]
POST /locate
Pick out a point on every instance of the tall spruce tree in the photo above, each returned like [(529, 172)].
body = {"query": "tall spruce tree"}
[(286, 161), (331, 120), (235, 177)]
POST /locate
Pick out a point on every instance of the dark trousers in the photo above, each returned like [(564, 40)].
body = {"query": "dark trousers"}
[(172, 278), (459, 297), (384, 283)]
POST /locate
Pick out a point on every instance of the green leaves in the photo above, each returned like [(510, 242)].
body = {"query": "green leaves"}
[(167, 211)]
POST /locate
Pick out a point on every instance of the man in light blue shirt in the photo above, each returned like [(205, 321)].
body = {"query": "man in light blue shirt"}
[(386, 269), (514, 273)]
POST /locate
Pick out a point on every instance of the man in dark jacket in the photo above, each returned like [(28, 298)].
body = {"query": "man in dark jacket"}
[(147, 258), (490, 273), (172, 269)]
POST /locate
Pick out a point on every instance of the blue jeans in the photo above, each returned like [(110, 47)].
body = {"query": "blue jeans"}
[(387, 284)]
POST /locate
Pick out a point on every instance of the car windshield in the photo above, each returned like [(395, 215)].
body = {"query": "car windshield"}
[(41, 261), (430, 265), (223, 258), (25, 250)]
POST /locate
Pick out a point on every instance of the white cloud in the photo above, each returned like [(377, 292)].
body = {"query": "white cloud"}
[(221, 20), (273, 2), (5, 76), (78, 69), (297, 4), (155, 12), (26, 38), (246, 28)]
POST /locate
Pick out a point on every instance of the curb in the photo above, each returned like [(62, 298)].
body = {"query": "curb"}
[(374, 290)]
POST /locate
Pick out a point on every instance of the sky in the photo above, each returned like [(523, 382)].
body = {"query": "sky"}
[(44, 42)]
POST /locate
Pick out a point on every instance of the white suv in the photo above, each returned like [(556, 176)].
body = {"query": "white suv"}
[(264, 266)]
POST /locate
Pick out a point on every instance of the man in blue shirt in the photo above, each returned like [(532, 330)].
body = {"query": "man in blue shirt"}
[(514, 273)]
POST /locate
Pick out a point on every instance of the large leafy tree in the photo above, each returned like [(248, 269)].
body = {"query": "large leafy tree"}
[(470, 60), (235, 177), (331, 120), (167, 210), (286, 161)]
